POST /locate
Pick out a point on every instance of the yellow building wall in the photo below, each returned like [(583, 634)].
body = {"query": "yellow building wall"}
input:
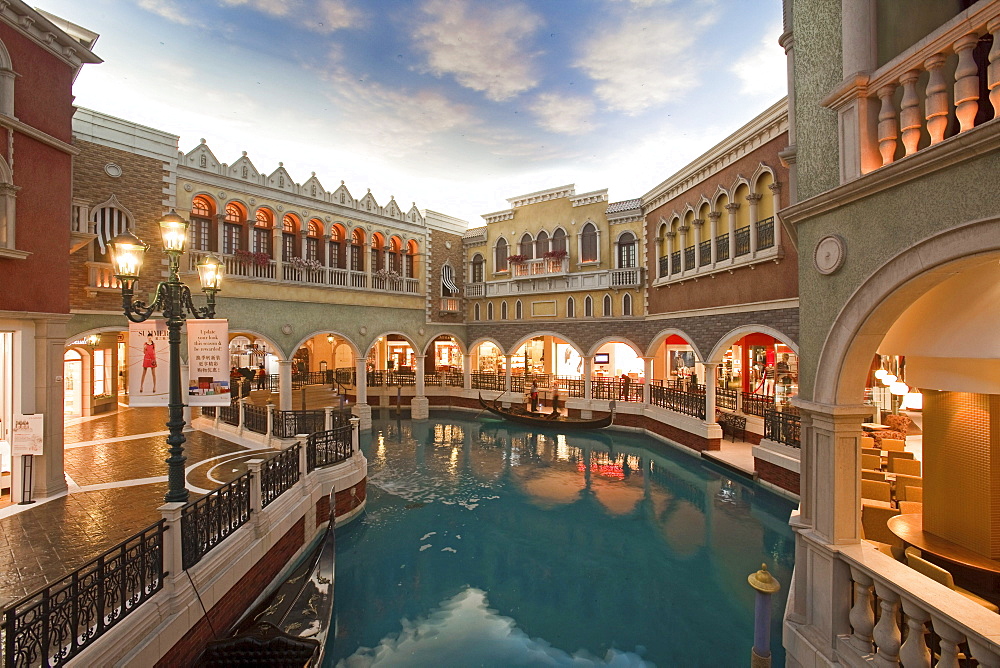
[(559, 310)]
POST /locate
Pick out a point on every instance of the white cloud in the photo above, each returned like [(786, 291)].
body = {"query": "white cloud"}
[(167, 9), (324, 16), (484, 46), (763, 71), (645, 62), (568, 115)]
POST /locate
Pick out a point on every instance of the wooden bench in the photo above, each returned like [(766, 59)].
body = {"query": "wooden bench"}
[(731, 424)]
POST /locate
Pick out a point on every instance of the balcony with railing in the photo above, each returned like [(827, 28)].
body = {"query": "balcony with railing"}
[(944, 85), (450, 304), (577, 280), (261, 268), (101, 278), (542, 266), (746, 245)]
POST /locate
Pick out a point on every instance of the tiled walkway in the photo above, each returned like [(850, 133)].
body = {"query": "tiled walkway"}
[(117, 477)]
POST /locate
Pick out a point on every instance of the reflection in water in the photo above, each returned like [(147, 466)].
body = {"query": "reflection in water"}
[(464, 631), (591, 549)]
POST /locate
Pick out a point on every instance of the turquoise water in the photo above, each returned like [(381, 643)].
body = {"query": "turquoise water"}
[(491, 544)]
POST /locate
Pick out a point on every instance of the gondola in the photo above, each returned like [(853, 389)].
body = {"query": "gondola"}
[(518, 414)]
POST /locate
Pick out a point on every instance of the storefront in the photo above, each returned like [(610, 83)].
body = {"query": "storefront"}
[(615, 359), (487, 358), (447, 356), (761, 364)]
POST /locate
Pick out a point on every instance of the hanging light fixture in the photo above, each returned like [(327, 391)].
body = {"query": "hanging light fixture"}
[(913, 401), (880, 374), (899, 388), (888, 379)]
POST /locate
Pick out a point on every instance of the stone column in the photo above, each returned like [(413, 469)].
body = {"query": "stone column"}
[(713, 223), (419, 405), (324, 252), (648, 372), (220, 231), (753, 200), (276, 249), (698, 225), (303, 240), (361, 408), (46, 398), (670, 252), (710, 380), (173, 551), (588, 377), (467, 371), (510, 363), (285, 385), (732, 209), (775, 189), (683, 229)]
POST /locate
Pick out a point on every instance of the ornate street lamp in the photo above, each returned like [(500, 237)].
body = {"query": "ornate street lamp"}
[(173, 298)]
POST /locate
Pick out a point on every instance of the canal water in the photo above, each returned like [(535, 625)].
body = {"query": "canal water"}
[(487, 543)]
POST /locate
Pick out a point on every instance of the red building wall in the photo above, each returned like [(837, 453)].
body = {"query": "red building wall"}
[(43, 99)]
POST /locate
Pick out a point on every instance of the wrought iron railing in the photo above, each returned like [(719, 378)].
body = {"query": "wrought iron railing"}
[(208, 411), (765, 233), (783, 427), (675, 262), (722, 247), (664, 266), (743, 241), (705, 253), (382, 378), (454, 378), (230, 414), (482, 380), (288, 424), (519, 383), (278, 474), (255, 418), (726, 398), (757, 404), (689, 403), (326, 448), (207, 521), (345, 375), (570, 387), (616, 389), (53, 625), (689, 258)]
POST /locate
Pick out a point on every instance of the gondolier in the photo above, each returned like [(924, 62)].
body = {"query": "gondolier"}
[(517, 413)]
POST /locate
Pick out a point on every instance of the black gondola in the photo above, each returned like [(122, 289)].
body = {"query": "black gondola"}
[(518, 414)]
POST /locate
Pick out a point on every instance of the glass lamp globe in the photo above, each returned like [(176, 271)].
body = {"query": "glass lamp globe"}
[(173, 231), (127, 252)]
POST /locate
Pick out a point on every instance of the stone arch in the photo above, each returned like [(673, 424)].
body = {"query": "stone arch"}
[(663, 335), (486, 339), (615, 339), (455, 338), (546, 332), (276, 349), (759, 174), (340, 335), (719, 194), (107, 329), (406, 337), (882, 297), (733, 335)]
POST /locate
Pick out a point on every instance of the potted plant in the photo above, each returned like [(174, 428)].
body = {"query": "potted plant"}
[(517, 259), (305, 265), (555, 254)]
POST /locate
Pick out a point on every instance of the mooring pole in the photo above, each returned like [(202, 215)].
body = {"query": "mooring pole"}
[(765, 585)]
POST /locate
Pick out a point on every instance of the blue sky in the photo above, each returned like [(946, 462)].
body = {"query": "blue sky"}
[(454, 104)]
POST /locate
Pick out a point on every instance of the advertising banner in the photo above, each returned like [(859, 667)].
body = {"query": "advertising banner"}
[(26, 438), (208, 362), (148, 363)]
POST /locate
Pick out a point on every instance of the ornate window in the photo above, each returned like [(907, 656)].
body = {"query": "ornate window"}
[(559, 240), (337, 247), (357, 250), (410, 259), (202, 212), (627, 305), (527, 246), (588, 243), (541, 244), (518, 310), (262, 231), (478, 268), (588, 307), (395, 255), (475, 312), (626, 256), (232, 228), (503, 310), (500, 263), (570, 307), (377, 252), (489, 311), (313, 240), (110, 219), (608, 308), (289, 234)]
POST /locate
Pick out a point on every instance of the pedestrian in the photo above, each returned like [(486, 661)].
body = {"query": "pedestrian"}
[(555, 401), (625, 384), (534, 396), (261, 376)]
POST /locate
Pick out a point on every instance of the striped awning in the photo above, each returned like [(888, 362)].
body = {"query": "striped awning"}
[(448, 279)]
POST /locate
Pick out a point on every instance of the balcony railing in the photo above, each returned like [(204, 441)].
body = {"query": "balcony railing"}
[(783, 427), (540, 267), (722, 247), (765, 233), (207, 521), (323, 276), (932, 91), (450, 304), (626, 278), (675, 262), (278, 474), (689, 258), (705, 253), (482, 380), (475, 289), (757, 404), (743, 241), (102, 275), (570, 386), (326, 448), (664, 266)]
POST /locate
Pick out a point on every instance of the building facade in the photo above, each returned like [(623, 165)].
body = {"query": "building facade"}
[(894, 157), (40, 56)]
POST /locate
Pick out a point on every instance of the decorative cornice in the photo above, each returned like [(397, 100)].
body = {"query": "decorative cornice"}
[(542, 196), (498, 216), (13, 124), (590, 198), (38, 28)]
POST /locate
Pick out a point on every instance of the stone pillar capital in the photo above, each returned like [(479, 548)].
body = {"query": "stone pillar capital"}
[(714, 215), (733, 207), (753, 198), (698, 222)]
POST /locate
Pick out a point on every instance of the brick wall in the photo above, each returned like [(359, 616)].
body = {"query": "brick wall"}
[(227, 611), (140, 190), (322, 510), (347, 500), (438, 254), (776, 475)]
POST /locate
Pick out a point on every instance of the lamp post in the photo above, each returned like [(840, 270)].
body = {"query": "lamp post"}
[(173, 298)]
